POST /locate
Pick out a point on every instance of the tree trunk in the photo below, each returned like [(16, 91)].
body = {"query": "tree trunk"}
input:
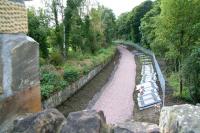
[(63, 16), (181, 86), (180, 62)]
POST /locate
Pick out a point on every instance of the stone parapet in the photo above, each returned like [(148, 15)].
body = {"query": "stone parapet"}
[(19, 76), (13, 17), (180, 119)]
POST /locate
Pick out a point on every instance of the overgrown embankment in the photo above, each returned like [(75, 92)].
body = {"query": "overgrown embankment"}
[(57, 78), (82, 99)]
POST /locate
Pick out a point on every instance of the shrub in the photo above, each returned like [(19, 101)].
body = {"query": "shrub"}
[(47, 69), (191, 73), (46, 90), (56, 58), (78, 64), (51, 82), (71, 75), (86, 70), (42, 61)]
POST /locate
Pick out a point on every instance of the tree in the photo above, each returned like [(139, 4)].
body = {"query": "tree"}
[(137, 14), (123, 28), (148, 25), (38, 29), (108, 19), (178, 29), (128, 23), (55, 10), (72, 6), (76, 34), (97, 26), (191, 72)]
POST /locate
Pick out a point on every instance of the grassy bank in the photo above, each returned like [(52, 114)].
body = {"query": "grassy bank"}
[(56, 78)]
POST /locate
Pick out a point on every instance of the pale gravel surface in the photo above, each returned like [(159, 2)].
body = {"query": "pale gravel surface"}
[(116, 101)]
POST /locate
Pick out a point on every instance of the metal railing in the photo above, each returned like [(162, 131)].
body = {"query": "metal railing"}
[(155, 62)]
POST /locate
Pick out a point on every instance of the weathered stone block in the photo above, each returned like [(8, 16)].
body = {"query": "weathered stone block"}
[(48, 121), (1, 73), (180, 119), (136, 127), (27, 101), (19, 72), (86, 122), (13, 16), (25, 60), (20, 62), (19, 1)]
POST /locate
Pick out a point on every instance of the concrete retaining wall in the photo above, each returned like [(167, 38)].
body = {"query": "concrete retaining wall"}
[(63, 95)]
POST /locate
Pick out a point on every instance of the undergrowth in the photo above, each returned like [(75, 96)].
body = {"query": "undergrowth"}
[(56, 77)]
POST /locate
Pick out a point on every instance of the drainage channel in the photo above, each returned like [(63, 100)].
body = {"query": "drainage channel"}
[(81, 99)]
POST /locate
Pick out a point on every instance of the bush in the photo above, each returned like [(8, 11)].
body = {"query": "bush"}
[(71, 75), (54, 80), (56, 58), (42, 61), (47, 68), (46, 90), (191, 73), (51, 82)]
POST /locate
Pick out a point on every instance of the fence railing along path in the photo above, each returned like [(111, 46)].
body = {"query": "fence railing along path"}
[(155, 63)]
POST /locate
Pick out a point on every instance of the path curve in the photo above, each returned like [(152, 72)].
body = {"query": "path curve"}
[(116, 101)]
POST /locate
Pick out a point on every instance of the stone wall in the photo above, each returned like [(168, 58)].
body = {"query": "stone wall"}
[(19, 64), (174, 119), (63, 95), (1, 73), (19, 76), (13, 17), (180, 119)]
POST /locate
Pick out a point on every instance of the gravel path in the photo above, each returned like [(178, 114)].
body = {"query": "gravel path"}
[(116, 101)]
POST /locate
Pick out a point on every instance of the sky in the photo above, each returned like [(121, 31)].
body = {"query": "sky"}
[(118, 6)]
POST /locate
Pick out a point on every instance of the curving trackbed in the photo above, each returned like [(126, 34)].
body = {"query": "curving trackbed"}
[(116, 101)]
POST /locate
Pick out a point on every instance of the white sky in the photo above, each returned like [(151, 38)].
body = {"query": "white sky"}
[(118, 6)]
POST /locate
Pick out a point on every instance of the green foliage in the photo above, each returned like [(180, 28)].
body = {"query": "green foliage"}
[(123, 28), (71, 12), (191, 72), (108, 19), (137, 14), (173, 80), (51, 82), (97, 29), (42, 61), (71, 75), (38, 29), (76, 35), (128, 24), (148, 25), (85, 36), (56, 58), (171, 30), (176, 30)]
